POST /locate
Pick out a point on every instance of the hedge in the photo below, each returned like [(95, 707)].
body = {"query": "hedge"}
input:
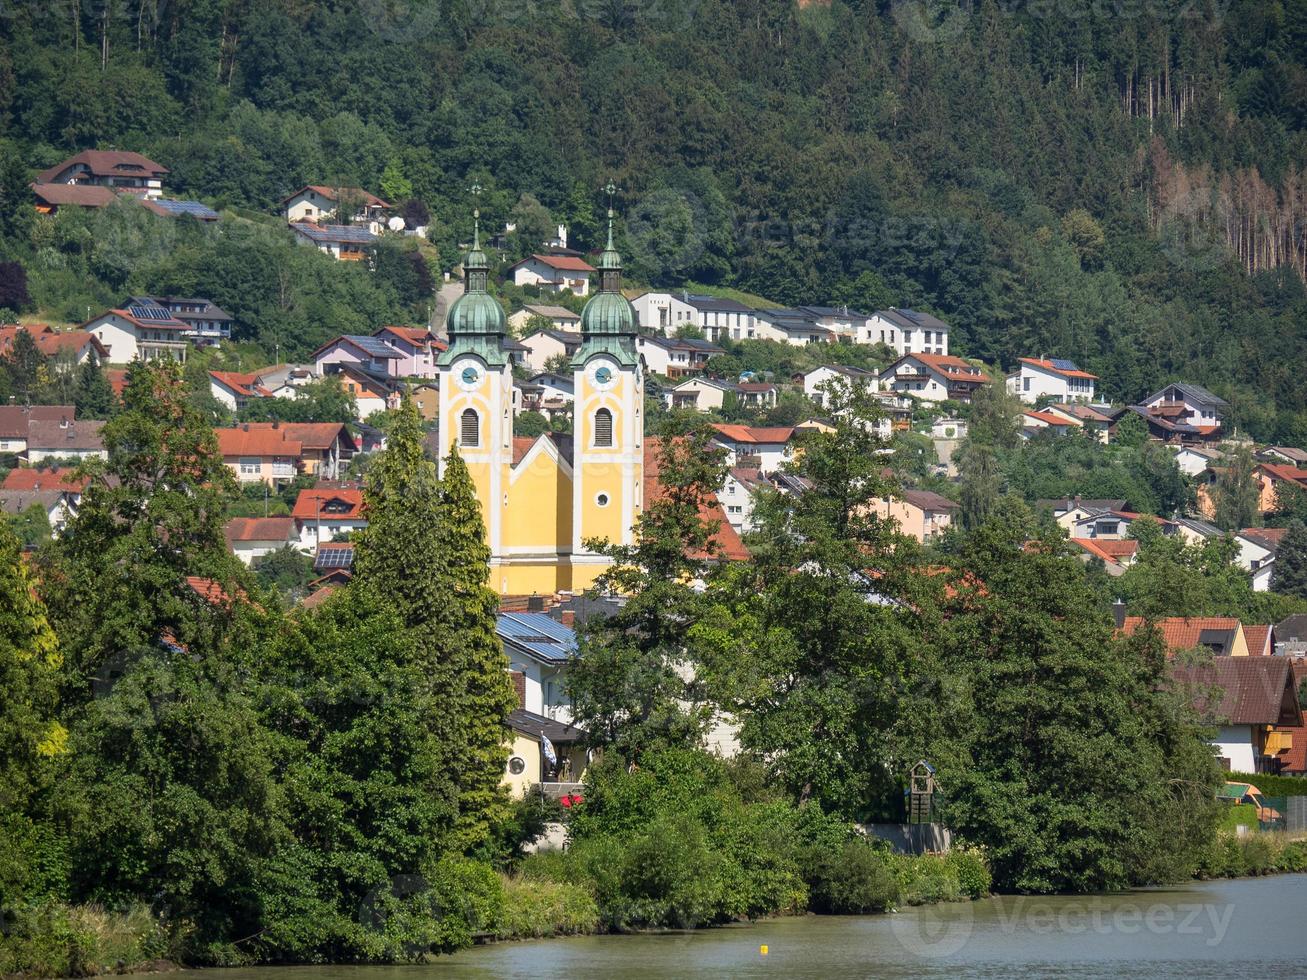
[(1271, 785)]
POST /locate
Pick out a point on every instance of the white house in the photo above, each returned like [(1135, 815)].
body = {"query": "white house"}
[(764, 448), (1257, 549), (538, 650), (794, 327), (1041, 377), (15, 420), (674, 357), (554, 273), (736, 496), (1032, 423), (250, 538), (324, 513), (722, 319), (700, 394), (370, 354), (933, 377), (319, 203), (59, 506), (545, 345), (345, 243), (559, 317), (418, 348), (1244, 698), (1187, 408), (817, 381), (664, 313), (907, 331), (123, 172), (64, 439), (145, 332), (1194, 460), (207, 324)]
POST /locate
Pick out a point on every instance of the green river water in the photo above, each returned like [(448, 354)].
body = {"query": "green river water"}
[(1249, 928)]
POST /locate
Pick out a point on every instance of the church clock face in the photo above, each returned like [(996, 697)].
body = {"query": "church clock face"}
[(469, 377), (603, 377)]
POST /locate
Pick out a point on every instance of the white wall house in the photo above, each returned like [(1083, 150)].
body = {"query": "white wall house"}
[(736, 497), (320, 203), (123, 172), (1187, 404), (722, 319), (559, 317), (64, 439), (129, 335), (907, 331), (819, 379), (700, 394), (933, 377), (543, 345), (664, 313), (538, 650), (765, 448), (345, 243), (252, 538), (554, 273), (1043, 377)]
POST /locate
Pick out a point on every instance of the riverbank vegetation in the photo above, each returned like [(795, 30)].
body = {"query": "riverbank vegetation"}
[(289, 785)]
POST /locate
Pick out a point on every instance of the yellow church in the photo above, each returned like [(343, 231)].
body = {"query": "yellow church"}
[(543, 498)]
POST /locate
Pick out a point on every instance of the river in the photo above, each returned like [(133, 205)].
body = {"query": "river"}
[(1254, 928)]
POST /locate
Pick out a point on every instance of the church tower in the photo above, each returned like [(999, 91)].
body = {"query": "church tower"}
[(476, 393), (607, 420)]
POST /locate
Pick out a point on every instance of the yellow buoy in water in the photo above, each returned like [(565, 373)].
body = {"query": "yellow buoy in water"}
[(762, 950)]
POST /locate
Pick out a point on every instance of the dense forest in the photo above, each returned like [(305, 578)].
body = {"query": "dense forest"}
[(1125, 184)]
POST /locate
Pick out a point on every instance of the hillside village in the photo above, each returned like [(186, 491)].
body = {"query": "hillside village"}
[(298, 437)]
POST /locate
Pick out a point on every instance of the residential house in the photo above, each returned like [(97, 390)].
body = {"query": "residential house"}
[(64, 439), (675, 357), (1285, 454), (67, 348), (543, 346), (1195, 460), (1183, 413), (51, 197), (320, 204), (1042, 377), (1257, 550), (791, 326), (1116, 555), (559, 317), (165, 208), (1290, 635), (764, 448), (426, 398), (285, 380), (1270, 476), (1195, 531), (324, 513), (61, 478), (702, 394), (1094, 421), (334, 562), (551, 393), (1033, 423), (818, 381), (537, 738), (371, 354), (847, 325), (920, 514), (1067, 511), (418, 348), (372, 392), (235, 389), (907, 332), (250, 538), (933, 377), (1222, 636), (1247, 699), (57, 506), (664, 313), (758, 395), (539, 649), (345, 243), (719, 318), (1113, 525), (207, 324), (15, 420), (259, 453), (122, 172), (144, 331), (554, 273), (736, 496)]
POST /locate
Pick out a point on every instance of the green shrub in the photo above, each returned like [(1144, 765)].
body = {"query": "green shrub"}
[(1271, 785), (1240, 814), (854, 879), (536, 908), (927, 879), (972, 872), (56, 940)]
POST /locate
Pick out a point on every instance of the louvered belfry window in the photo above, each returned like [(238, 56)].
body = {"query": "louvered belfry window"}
[(603, 427), (470, 429)]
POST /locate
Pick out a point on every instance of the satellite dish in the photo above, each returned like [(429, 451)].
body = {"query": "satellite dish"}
[(396, 223)]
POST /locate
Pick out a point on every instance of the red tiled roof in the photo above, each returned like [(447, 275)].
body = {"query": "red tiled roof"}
[(1048, 418), (107, 163), (953, 368), (16, 420), (1182, 632), (117, 378), (335, 193), (1047, 365), (63, 480), (260, 529), (77, 195), (315, 599), (727, 540), (1258, 638), (311, 503), (256, 440), (310, 435), (755, 386), (567, 263), (242, 383), (211, 591), (417, 336), (755, 434), (149, 324), (1109, 551), (1267, 537), (521, 446), (1283, 471)]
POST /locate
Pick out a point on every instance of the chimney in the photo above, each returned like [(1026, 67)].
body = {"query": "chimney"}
[(1118, 613), (245, 426), (569, 618), (535, 603)]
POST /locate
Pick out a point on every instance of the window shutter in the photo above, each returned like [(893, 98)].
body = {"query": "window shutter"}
[(470, 429), (603, 427)]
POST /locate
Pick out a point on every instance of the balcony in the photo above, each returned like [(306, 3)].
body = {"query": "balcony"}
[(1277, 742), (555, 790)]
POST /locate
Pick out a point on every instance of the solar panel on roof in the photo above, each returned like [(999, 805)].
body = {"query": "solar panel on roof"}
[(334, 558), (149, 313), (1064, 365)]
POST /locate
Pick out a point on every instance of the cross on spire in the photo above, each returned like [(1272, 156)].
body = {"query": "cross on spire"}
[(610, 189), (476, 214)]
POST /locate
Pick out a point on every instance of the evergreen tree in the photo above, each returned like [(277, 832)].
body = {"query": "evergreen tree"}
[(484, 690), (1289, 577), (26, 367), (93, 397)]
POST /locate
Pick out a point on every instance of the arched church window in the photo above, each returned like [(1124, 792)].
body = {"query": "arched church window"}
[(603, 428), (469, 429)]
